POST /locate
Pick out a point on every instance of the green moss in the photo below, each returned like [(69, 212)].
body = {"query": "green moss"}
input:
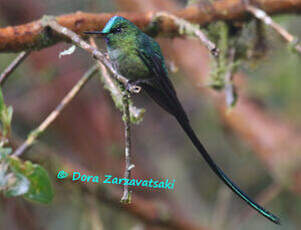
[(219, 34), (136, 114)]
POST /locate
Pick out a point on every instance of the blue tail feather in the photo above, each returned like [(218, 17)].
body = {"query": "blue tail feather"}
[(189, 131)]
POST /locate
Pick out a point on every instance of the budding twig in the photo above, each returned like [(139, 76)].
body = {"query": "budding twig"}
[(189, 28), (263, 16), (15, 63), (56, 112)]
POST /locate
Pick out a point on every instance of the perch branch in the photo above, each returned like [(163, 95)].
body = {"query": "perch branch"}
[(55, 113), (264, 17), (115, 91), (32, 35), (117, 94), (126, 198), (15, 63)]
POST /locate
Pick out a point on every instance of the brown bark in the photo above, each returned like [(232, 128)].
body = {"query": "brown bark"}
[(29, 36)]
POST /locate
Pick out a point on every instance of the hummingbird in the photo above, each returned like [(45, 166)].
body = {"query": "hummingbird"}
[(138, 57)]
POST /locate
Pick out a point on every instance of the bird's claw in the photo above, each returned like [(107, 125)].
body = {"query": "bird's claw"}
[(132, 87)]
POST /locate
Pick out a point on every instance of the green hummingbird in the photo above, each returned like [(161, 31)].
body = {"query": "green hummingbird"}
[(138, 57)]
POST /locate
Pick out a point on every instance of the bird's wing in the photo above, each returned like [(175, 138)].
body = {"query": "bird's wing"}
[(160, 87)]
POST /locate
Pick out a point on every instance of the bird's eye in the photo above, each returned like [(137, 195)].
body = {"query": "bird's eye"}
[(117, 30)]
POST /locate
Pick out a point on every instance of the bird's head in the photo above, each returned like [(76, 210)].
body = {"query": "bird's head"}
[(118, 31)]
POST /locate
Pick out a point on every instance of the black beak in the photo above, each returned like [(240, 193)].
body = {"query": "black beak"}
[(95, 32)]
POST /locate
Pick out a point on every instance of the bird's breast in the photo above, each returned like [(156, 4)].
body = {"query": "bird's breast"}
[(129, 64)]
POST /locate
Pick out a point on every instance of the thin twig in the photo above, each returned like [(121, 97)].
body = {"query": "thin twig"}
[(263, 16), (15, 63), (126, 197), (189, 28), (51, 22), (56, 112)]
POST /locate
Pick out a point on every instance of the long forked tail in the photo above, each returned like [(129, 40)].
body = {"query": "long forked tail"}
[(189, 131)]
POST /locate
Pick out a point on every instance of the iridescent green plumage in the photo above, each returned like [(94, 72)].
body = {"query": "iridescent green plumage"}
[(122, 48), (138, 57)]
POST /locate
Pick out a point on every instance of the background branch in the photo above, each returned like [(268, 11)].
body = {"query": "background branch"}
[(33, 35), (55, 113), (12, 66), (261, 15), (187, 28)]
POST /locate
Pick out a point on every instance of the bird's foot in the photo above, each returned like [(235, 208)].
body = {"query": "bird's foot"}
[(133, 87)]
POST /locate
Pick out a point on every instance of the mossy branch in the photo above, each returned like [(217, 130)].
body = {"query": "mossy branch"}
[(30, 36), (187, 28)]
